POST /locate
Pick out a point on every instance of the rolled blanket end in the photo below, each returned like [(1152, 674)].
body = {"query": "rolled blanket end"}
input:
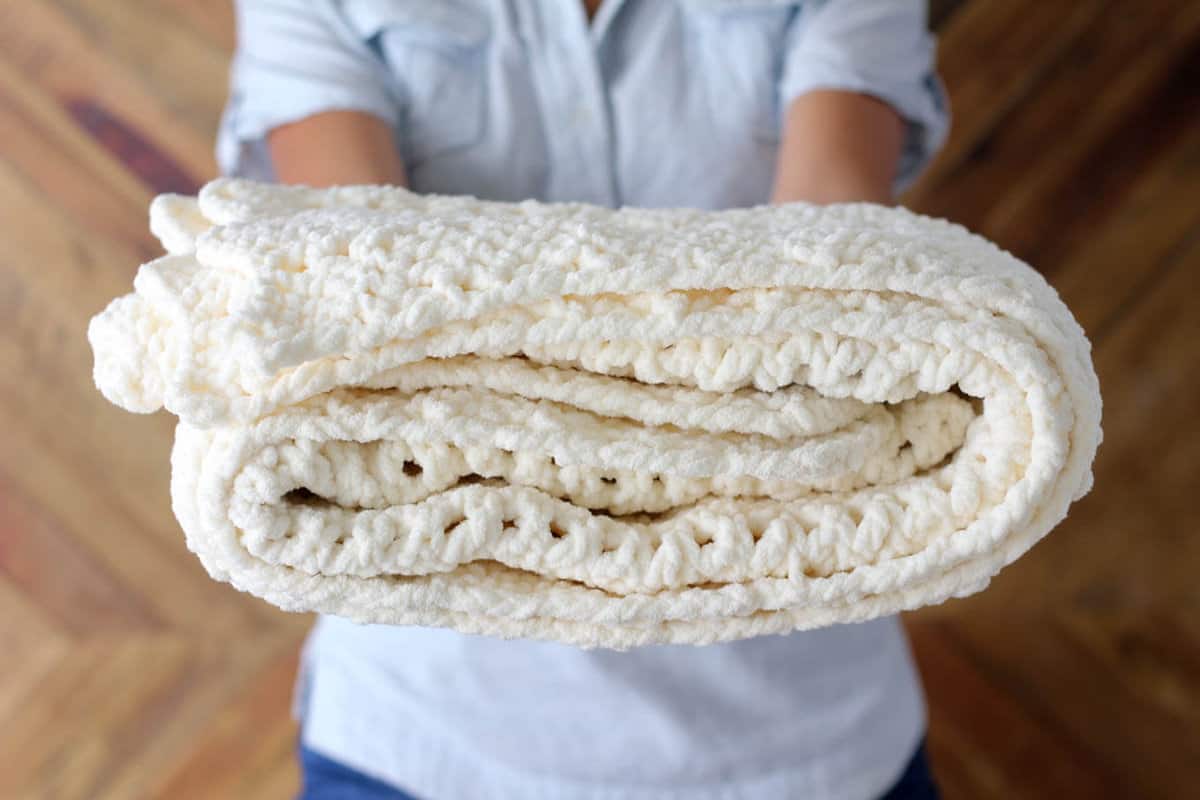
[(123, 369)]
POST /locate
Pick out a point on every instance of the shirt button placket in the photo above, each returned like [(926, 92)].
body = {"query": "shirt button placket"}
[(585, 110)]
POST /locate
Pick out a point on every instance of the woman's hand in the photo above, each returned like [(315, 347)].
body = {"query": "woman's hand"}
[(838, 147)]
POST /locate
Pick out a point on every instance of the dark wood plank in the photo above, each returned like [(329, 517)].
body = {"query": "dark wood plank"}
[(940, 11), (1059, 142), (1096, 627), (154, 168), (983, 743), (993, 56)]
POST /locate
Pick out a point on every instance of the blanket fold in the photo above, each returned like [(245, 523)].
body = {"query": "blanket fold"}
[(601, 427)]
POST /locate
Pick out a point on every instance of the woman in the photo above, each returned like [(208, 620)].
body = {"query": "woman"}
[(703, 103)]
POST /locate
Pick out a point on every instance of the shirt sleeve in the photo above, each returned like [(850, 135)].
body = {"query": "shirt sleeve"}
[(294, 58), (882, 48)]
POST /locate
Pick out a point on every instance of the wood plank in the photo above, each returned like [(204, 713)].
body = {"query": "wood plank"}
[(31, 644), (1010, 192), (244, 682), (940, 11), (985, 745), (69, 432), (1095, 630), (127, 527), (122, 712), (1096, 627), (214, 19), (47, 48), (250, 749), (162, 46), (151, 166), (82, 719), (56, 274), (48, 150), (38, 556), (1136, 530), (1042, 667), (69, 435), (1153, 132), (1102, 99), (1022, 42), (150, 558), (1109, 270), (1153, 650)]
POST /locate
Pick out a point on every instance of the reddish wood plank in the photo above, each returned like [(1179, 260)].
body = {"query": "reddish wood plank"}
[(1022, 42), (1148, 647), (153, 167), (1008, 190), (40, 557), (51, 51), (1095, 628), (989, 744), (1144, 137), (165, 50), (44, 148)]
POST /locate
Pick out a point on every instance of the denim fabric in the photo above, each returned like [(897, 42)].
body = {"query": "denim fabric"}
[(917, 782), (326, 779)]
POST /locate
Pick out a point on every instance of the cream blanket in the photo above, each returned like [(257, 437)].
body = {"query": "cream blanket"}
[(607, 428)]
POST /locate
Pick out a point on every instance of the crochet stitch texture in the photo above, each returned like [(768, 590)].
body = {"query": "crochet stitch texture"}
[(607, 428)]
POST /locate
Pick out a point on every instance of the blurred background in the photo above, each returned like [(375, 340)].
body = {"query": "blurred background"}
[(126, 672)]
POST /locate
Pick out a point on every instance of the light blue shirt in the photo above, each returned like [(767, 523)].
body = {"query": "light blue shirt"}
[(654, 103)]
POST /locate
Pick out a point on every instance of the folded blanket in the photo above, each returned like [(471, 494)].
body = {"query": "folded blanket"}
[(606, 428)]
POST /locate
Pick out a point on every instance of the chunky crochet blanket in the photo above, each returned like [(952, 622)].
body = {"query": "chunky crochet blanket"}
[(607, 428)]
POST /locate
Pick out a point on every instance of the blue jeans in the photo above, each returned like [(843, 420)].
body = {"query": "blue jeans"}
[(326, 779)]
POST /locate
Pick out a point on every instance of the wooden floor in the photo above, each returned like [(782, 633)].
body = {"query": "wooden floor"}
[(125, 672)]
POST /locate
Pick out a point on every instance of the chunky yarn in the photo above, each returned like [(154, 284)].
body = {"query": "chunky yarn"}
[(607, 428)]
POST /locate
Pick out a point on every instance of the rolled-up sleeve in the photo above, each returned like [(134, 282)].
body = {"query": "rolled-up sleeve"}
[(881, 48), (294, 58)]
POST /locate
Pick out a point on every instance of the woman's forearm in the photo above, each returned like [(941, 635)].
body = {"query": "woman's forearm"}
[(838, 147), (336, 148)]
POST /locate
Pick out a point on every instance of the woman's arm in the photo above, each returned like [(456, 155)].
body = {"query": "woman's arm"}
[(838, 147), (336, 147)]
